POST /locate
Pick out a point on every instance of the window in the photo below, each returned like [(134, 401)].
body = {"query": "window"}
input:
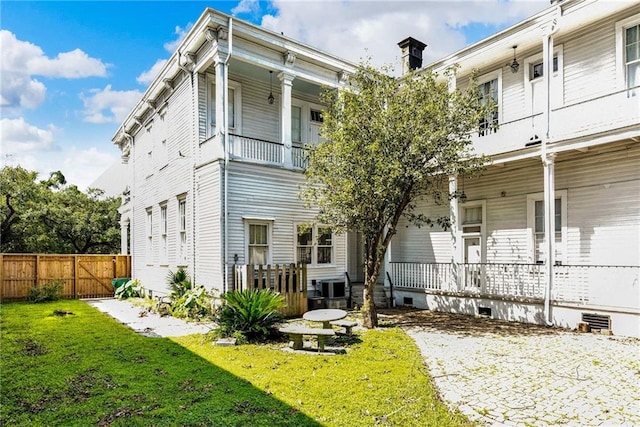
[(490, 92), (632, 58), (314, 245), (233, 105), (628, 53), (316, 116), (536, 224), (149, 248), (163, 233), (182, 231), (296, 124), (534, 86), (258, 243), (537, 69)]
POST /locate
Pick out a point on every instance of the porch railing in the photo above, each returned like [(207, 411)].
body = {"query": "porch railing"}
[(255, 149), (612, 286)]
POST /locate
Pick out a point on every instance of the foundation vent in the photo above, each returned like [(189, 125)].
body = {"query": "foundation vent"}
[(484, 311), (597, 321), (407, 301)]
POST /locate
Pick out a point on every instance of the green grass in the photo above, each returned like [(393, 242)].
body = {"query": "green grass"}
[(86, 369)]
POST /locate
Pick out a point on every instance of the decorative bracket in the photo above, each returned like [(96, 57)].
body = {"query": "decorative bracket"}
[(289, 58)]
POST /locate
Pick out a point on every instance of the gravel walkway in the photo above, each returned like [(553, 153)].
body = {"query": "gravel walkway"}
[(506, 374), (146, 322)]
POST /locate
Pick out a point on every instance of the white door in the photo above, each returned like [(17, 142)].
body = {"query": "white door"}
[(472, 258), (315, 121)]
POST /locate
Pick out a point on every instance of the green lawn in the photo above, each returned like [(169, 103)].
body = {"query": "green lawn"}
[(86, 369)]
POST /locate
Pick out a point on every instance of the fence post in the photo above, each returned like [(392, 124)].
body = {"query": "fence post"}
[(1, 277), (75, 277)]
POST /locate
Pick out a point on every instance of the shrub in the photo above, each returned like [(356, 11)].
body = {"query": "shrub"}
[(131, 289), (51, 291), (179, 283), (251, 314), (194, 303)]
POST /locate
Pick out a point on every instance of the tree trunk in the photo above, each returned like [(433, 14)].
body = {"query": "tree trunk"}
[(369, 314)]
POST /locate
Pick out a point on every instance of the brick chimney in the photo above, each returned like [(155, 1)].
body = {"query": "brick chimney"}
[(411, 54)]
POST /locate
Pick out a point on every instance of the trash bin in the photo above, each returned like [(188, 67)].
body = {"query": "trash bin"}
[(119, 281)]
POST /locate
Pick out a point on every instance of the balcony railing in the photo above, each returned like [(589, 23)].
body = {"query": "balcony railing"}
[(610, 286), (255, 149), (599, 114)]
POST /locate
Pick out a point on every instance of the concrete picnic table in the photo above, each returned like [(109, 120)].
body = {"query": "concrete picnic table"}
[(324, 315)]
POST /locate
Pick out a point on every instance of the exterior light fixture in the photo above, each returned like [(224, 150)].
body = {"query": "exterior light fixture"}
[(515, 66), (271, 98), (463, 196)]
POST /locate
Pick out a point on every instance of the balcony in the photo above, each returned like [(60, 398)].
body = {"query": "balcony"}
[(602, 286), (609, 112)]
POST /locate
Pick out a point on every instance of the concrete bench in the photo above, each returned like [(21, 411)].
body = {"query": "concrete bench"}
[(346, 324), (297, 332)]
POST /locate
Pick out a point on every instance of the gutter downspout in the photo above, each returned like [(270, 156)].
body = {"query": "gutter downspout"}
[(132, 201), (226, 159), (548, 166)]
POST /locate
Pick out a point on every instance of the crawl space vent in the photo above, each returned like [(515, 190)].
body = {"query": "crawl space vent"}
[(597, 321), (408, 301)]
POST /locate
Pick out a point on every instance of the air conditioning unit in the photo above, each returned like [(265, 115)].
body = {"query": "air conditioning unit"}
[(334, 292)]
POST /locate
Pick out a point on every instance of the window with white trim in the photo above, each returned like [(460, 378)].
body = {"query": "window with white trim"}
[(258, 242), (163, 233), (182, 231), (233, 105), (490, 91), (534, 87), (535, 220), (628, 53), (314, 245), (149, 228), (296, 124)]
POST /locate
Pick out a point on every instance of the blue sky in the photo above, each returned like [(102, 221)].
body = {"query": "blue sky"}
[(70, 71)]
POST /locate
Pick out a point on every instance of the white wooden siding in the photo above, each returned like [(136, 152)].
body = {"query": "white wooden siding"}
[(424, 244), (266, 192), (603, 218), (208, 229)]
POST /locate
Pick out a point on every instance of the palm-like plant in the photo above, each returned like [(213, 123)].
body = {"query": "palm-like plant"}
[(252, 313), (179, 282)]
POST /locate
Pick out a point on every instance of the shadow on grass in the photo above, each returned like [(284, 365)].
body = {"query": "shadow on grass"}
[(458, 324), (87, 369)]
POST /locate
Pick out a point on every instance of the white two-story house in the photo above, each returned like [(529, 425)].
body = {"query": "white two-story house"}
[(550, 232), (215, 153)]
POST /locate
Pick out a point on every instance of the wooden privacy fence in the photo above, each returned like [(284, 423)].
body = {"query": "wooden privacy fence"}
[(290, 280), (83, 276)]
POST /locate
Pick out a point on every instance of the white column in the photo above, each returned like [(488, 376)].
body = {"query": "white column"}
[(549, 224), (221, 98), (124, 236), (287, 82), (454, 215)]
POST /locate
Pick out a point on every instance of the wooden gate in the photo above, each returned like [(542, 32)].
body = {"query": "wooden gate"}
[(290, 280), (82, 276)]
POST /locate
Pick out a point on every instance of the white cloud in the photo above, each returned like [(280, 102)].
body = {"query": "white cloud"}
[(181, 34), (18, 136), (246, 6), (82, 166), (147, 77), (359, 29), (21, 60), (108, 106)]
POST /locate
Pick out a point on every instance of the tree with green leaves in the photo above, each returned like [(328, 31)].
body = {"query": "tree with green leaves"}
[(49, 216), (389, 142)]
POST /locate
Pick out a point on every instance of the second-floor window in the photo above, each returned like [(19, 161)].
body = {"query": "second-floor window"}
[(489, 95), (233, 106), (632, 55), (296, 124)]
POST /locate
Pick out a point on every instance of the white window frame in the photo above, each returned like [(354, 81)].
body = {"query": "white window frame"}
[(297, 104), (621, 60), (315, 246), (531, 212), (247, 247), (483, 229), (164, 244), (494, 75), (182, 244), (557, 79), (237, 106), (149, 232)]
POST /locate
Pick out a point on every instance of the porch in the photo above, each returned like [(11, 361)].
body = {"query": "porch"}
[(607, 287)]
